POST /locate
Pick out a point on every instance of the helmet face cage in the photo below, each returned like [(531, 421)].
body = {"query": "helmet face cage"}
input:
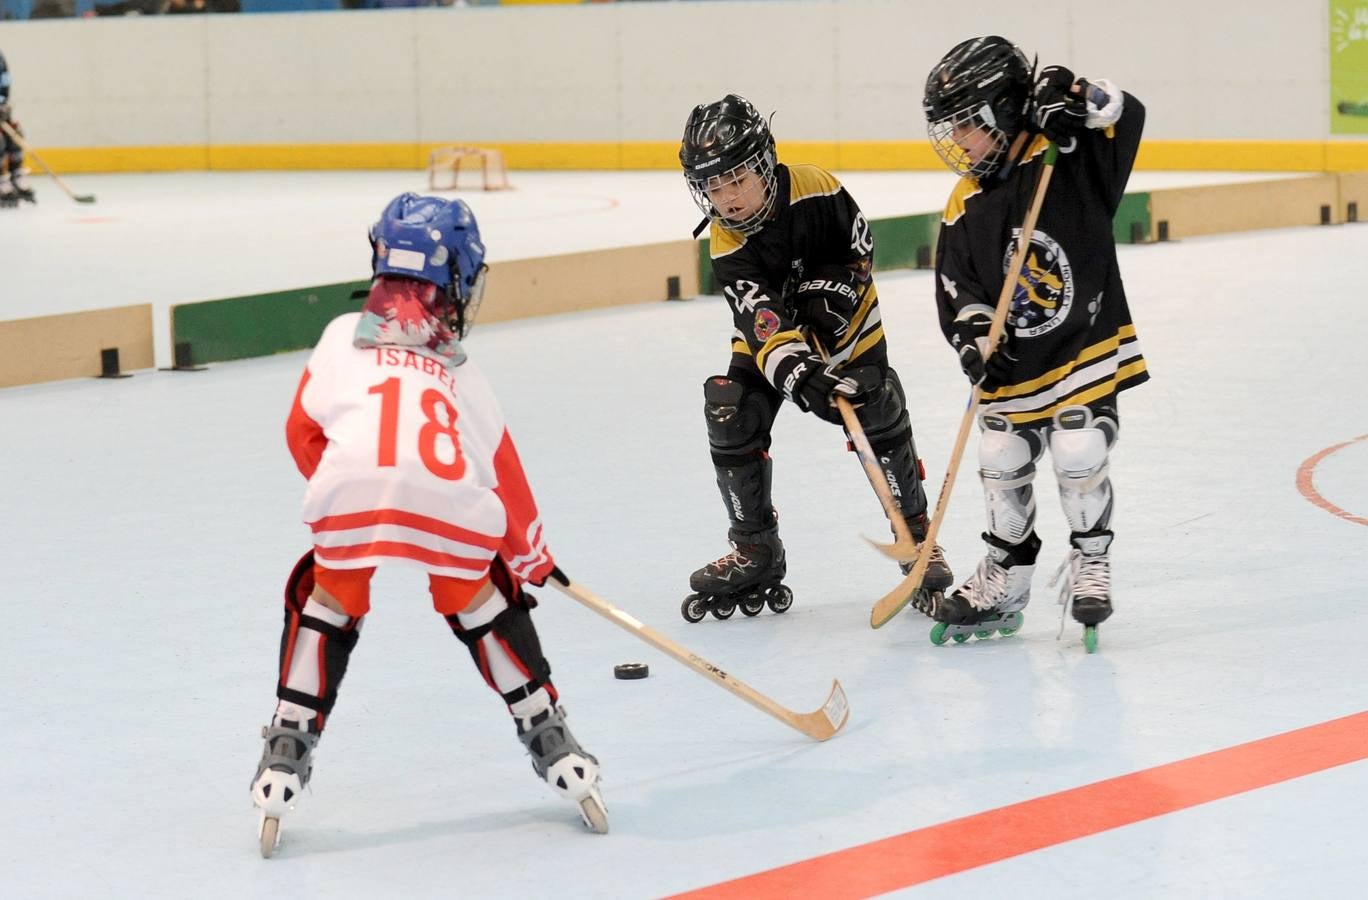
[(726, 185), (724, 143), (437, 241), (969, 141), (975, 104)]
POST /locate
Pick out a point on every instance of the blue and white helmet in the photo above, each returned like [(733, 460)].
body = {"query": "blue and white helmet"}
[(434, 240)]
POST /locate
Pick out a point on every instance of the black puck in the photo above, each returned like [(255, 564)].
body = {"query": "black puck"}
[(630, 671)]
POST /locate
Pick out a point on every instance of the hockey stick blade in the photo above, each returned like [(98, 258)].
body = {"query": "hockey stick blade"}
[(820, 725), (84, 198), (902, 551)]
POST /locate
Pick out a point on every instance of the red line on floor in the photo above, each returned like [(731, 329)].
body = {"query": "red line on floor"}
[(918, 856), (1307, 470)]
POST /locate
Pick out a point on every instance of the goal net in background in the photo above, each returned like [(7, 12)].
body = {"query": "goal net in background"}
[(471, 168)]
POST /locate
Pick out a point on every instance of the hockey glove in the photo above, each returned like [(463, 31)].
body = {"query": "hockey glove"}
[(817, 392), (1056, 111), (969, 337)]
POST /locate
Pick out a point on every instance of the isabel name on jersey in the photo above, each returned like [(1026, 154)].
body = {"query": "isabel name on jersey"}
[(395, 357)]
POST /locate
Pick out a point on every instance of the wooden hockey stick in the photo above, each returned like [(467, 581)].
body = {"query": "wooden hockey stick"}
[(819, 725), (905, 548), (14, 136), (890, 604)]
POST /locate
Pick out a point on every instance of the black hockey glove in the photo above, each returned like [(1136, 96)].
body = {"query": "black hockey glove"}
[(817, 392), (969, 337), (1056, 111)]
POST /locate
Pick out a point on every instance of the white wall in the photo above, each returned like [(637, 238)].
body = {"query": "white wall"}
[(835, 71)]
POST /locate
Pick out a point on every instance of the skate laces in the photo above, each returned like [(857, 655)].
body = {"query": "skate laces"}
[(736, 559), (988, 583), (937, 557), (1089, 576)]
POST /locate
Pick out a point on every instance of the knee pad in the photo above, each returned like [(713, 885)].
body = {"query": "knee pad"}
[(1079, 444), (1007, 468), (315, 643), (884, 416), (738, 420), (513, 631), (1079, 448)]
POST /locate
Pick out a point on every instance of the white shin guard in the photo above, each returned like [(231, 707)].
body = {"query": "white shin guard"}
[(1079, 446), (1007, 468)]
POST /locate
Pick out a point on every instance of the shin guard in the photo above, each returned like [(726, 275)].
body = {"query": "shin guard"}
[(315, 646), (504, 646)]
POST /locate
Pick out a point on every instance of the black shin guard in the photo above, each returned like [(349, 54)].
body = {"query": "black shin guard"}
[(738, 434), (889, 430)]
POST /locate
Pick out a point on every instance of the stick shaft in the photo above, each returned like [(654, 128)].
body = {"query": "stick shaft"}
[(873, 470), (820, 725), (891, 603)]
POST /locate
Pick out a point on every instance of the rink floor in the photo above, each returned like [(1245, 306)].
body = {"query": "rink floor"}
[(152, 522)]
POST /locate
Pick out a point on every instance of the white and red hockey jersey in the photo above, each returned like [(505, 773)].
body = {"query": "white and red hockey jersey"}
[(409, 462)]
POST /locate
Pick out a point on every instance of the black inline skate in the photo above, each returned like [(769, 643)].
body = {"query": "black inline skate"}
[(749, 577), (1086, 589)]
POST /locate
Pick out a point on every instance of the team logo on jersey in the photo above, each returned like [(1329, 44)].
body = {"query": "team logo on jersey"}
[(1045, 289), (766, 324)]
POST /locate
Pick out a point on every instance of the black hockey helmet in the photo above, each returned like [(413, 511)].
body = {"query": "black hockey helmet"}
[(983, 83), (722, 141)]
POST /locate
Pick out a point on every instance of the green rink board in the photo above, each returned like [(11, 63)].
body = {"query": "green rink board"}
[(1134, 209), (261, 324)]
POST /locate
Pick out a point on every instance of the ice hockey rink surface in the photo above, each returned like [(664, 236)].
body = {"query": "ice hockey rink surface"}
[(1212, 747)]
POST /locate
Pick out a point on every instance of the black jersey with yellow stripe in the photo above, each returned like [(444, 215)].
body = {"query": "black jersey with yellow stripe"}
[(1070, 325), (817, 227)]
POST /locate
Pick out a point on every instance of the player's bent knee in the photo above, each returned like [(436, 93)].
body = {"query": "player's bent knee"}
[(344, 591), (737, 420), (459, 595), (884, 416), (1078, 447), (1006, 457)]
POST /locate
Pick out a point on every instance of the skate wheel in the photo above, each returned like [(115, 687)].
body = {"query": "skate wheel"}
[(983, 635), (694, 608), (959, 638), (724, 610), (594, 815), (1007, 632), (752, 606), (1090, 638), (780, 599), (938, 633), (270, 836)]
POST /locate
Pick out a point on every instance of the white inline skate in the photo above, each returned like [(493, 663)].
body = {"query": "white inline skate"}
[(286, 763), (561, 762)]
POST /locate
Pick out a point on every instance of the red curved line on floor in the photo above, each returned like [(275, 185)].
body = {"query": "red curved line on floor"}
[(1307, 470)]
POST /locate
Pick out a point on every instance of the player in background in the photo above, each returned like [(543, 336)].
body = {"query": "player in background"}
[(793, 255), (14, 185), (409, 463), (1070, 347)]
